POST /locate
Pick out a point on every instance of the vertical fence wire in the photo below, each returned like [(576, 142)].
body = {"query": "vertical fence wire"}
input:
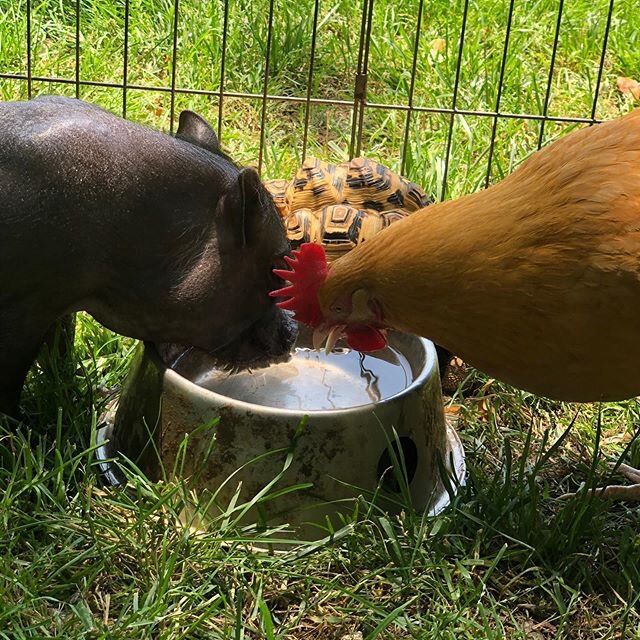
[(360, 81), (125, 58), (412, 84), (265, 87), (547, 97), (223, 60), (454, 102), (365, 72), (77, 78), (312, 58), (503, 64), (605, 42), (174, 63), (29, 69)]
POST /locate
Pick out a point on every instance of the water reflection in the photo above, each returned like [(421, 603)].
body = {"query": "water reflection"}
[(313, 380)]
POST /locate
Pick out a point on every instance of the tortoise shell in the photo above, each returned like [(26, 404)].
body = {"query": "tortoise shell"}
[(343, 205), (315, 185), (370, 185)]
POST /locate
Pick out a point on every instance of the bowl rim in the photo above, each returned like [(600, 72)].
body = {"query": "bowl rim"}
[(211, 397)]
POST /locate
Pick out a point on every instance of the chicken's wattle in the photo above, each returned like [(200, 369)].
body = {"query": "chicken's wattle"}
[(365, 338)]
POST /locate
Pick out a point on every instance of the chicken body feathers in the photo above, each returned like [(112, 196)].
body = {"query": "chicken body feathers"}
[(536, 280)]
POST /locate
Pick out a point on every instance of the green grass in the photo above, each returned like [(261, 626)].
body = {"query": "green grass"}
[(507, 559)]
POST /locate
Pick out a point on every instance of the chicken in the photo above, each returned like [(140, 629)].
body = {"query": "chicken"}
[(535, 280)]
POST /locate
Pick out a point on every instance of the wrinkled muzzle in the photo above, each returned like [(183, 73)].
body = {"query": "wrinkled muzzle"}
[(267, 341)]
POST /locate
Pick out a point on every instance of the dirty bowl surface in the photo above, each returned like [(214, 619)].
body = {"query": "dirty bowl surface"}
[(360, 415)]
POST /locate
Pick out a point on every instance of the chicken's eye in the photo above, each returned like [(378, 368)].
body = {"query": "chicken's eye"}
[(336, 308)]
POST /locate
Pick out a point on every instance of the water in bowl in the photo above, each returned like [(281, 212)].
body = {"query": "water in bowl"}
[(315, 381)]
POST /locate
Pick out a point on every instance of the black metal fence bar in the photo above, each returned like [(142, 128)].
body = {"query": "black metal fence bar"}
[(223, 61), (456, 84), (265, 86), (503, 64), (479, 112), (174, 63), (77, 69), (365, 72), (181, 90), (412, 84), (547, 97), (360, 81), (603, 53), (312, 58), (29, 87), (125, 57), (303, 99)]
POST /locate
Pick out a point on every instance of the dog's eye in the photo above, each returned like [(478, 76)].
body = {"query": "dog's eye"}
[(279, 263)]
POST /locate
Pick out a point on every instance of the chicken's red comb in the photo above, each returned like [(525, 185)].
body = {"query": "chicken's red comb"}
[(308, 272)]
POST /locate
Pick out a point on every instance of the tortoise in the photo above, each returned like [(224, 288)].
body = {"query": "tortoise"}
[(342, 205)]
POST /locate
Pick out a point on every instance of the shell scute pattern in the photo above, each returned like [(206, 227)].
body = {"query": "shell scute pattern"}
[(341, 224), (342, 205)]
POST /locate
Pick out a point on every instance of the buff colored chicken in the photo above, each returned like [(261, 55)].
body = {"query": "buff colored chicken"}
[(535, 281)]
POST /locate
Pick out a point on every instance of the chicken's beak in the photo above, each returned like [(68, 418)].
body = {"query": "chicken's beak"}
[(334, 335), (331, 335), (319, 336)]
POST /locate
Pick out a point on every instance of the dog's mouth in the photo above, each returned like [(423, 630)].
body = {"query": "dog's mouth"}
[(268, 341)]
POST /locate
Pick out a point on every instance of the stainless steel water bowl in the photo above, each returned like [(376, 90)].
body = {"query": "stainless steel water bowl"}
[(375, 422)]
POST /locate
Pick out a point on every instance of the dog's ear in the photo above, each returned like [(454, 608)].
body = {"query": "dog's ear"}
[(246, 210), (196, 130)]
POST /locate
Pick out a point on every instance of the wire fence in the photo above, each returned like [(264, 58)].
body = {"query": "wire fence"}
[(358, 102)]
